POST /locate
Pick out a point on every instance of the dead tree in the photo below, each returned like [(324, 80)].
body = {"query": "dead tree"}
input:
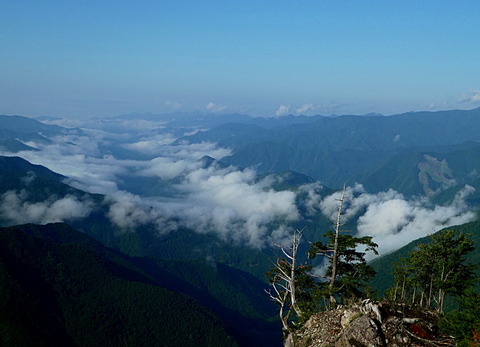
[(331, 250), (335, 252), (283, 281), (347, 274)]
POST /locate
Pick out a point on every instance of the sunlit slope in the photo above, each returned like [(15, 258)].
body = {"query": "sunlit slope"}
[(342, 149)]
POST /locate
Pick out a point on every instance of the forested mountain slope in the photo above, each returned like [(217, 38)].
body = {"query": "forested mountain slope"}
[(342, 149), (384, 265), (61, 288), (187, 262)]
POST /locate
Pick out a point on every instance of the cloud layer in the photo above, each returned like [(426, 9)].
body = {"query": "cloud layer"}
[(234, 204), (15, 208), (394, 221)]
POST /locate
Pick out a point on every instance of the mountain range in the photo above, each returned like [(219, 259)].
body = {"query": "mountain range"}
[(377, 150), (184, 210)]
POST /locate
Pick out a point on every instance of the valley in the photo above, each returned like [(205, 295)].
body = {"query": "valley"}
[(187, 209)]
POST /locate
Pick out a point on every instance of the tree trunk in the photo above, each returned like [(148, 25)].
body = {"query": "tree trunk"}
[(430, 291), (441, 299), (283, 318), (403, 291), (296, 242), (333, 277)]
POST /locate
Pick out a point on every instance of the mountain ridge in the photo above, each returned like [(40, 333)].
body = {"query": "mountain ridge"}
[(82, 292)]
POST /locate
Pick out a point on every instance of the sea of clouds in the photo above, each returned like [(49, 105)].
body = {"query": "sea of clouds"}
[(236, 204)]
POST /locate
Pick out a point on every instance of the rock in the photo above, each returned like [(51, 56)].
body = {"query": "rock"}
[(362, 331), (371, 324), (368, 306)]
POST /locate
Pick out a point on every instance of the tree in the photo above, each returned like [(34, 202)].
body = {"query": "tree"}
[(294, 287), (438, 268), (401, 282), (284, 278), (464, 323), (453, 275), (348, 272)]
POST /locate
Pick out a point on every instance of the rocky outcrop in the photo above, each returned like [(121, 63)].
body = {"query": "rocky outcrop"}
[(371, 324)]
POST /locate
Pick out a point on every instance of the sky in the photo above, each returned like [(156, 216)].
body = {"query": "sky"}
[(88, 58)]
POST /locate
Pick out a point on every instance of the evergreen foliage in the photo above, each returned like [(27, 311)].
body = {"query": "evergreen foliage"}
[(78, 293), (435, 269), (353, 271), (295, 289), (313, 293), (382, 152), (438, 269), (384, 265), (464, 323)]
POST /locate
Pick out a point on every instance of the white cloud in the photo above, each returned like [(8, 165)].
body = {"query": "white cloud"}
[(212, 107), (395, 222), (166, 168), (16, 208), (226, 202), (471, 97), (81, 157), (229, 202), (233, 204), (313, 198), (476, 96), (282, 110), (305, 108), (127, 210), (390, 218), (151, 145), (356, 199)]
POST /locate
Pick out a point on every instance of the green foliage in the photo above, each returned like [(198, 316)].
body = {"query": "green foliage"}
[(353, 272), (382, 152), (58, 292), (299, 294), (308, 293), (435, 269), (384, 265), (211, 271), (464, 323)]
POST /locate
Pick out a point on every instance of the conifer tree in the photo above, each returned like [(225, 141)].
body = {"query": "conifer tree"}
[(437, 269), (347, 273)]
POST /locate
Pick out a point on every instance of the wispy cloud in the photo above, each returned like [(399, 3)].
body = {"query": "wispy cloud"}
[(212, 107), (235, 204), (230, 202), (17, 208), (282, 110), (305, 108), (472, 97), (393, 220)]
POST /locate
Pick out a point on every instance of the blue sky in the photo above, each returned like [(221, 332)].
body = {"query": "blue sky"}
[(265, 58)]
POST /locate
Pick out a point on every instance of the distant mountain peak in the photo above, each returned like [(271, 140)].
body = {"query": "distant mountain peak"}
[(207, 161)]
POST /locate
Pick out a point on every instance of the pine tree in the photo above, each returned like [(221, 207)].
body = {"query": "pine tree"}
[(437, 269), (347, 273)]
